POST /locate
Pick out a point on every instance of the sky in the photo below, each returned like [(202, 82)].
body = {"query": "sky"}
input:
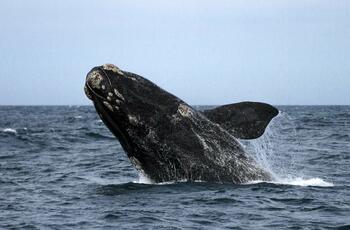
[(205, 52)]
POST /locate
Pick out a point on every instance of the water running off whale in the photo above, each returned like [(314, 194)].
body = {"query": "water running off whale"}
[(168, 140)]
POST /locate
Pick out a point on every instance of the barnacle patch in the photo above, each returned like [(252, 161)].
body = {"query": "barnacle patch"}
[(108, 105), (119, 95), (184, 110), (112, 68), (95, 79)]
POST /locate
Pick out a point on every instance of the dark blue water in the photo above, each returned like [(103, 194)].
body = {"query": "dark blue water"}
[(60, 168)]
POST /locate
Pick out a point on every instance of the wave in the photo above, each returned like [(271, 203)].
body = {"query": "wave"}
[(102, 181), (312, 182), (298, 181), (98, 135)]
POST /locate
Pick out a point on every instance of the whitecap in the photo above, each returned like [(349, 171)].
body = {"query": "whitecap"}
[(315, 182), (9, 130), (306, 182)]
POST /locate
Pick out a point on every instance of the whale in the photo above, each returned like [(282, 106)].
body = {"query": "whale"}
[(166, 139)]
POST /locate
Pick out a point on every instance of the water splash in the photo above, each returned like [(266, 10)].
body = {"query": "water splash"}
[(279, 152), (284, 165), (143, 179)]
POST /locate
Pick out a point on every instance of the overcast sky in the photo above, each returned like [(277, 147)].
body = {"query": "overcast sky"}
[(205, 52)]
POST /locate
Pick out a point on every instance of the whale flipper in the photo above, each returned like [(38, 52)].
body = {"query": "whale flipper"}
[(244, 120)]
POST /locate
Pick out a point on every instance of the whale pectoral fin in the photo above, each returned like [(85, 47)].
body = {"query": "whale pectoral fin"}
[(244, 120)]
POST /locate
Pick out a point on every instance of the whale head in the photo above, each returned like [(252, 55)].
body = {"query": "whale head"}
[(132, 107)]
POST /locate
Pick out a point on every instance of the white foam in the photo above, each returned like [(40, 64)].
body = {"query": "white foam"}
[(9, 130), (306, 182), (315, 182), (78, 117), (144, 179)]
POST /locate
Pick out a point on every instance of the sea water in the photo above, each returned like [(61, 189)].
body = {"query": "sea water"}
[(60, 168)]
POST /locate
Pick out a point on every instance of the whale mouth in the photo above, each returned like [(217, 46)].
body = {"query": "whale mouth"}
[(113, 121)]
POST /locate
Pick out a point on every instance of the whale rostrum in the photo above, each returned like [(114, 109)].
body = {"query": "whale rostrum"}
[(168, 140)]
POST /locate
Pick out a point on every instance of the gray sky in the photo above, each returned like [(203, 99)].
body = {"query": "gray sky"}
[(205, 52)]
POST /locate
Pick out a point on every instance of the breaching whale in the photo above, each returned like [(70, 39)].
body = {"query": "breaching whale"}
[(168, 140)]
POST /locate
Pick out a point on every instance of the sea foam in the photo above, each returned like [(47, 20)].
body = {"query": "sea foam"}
[(316, 182), (9, 130)]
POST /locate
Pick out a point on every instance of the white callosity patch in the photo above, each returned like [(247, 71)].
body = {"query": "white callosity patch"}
[(133, 119), (185, 110), (119, 95), (108, 106), (112, 68), (110, 96), (95, 79)]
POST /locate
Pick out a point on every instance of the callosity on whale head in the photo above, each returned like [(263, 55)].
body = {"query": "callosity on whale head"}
[(164, 137)]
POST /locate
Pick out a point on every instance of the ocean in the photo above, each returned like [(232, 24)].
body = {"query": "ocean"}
[(60, 168)]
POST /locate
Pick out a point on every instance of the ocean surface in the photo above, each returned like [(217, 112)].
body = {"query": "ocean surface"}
[(60, 168)]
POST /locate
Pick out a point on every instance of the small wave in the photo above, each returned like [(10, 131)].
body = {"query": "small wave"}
[(102, 181), (98, 135), (338, 137), (315, 182), (78, 117), (9, 130)]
